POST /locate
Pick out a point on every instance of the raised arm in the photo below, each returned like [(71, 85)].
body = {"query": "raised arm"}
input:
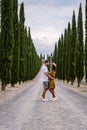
[(49, 76)]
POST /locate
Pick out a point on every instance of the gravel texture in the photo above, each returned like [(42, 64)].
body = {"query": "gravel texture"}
[(25, 110)]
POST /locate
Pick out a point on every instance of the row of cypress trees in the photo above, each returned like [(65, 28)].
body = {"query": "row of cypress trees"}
[(69, 52), (86, 41), (19, 61)]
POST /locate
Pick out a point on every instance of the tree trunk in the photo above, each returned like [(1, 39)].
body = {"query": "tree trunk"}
[(13, 85), (3, 87), (71, 82), (78, 83)]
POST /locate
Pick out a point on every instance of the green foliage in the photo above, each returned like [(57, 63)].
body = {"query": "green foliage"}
[(80, 47), (59, 60), (69, 55), (19, 60), (29, 61), (14, 68), (6, 42), (86, 41), (55, 53), (21, 43), (64, 55), (73, 49)]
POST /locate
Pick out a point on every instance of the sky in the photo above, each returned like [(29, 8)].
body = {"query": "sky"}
[(48, 19)]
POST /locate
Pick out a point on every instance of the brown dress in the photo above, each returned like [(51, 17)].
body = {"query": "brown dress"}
[(52, 82)]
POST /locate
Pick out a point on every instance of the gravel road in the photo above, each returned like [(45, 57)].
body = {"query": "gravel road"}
[(25, 111)]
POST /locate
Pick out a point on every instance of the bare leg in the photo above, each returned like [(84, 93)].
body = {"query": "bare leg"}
[(44, 92), (52, 92)]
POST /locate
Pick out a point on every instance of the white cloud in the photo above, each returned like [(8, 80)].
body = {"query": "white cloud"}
[(48, 19), (44, 45)]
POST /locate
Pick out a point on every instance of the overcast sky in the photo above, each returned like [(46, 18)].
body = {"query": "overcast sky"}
[(48, 19)]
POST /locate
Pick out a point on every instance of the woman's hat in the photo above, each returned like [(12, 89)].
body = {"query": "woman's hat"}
[(54, 64)]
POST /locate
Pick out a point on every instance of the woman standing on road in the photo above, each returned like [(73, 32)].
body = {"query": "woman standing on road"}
[(52, 82)]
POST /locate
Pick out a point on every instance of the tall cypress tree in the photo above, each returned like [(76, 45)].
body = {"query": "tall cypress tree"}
[(29, 54), (64, 54), (0, 15), (55, 53), (14, 70), (34, 60), (86, 41), (6, 41), (0, 33), (0, 54), (73, 50), (21, 44), (31, 60), (25, 53), (59, 59), (55, 56), (68, 51), (79, 64)]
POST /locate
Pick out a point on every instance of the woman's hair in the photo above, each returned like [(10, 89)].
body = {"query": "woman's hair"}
[(53, 67)]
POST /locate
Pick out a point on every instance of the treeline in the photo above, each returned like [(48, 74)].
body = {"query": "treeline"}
[(70, 54), (19, 61)]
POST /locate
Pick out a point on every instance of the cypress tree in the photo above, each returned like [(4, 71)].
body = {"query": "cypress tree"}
[(34, 60), (64, 55), (25, 54), (86, 41), (0, 15), (0, 33), (55, 53), (32, 57), (29, 54), (79, 61), (59, 57), (0, 54), (73, 50), (68, 50), (55, 56), (14, 70), (21, 44), (6, 41)]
